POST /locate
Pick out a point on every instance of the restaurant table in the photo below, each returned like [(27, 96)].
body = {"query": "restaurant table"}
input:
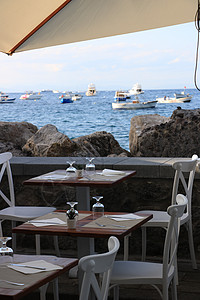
[(87, 226), (31, 281), (89, 179)]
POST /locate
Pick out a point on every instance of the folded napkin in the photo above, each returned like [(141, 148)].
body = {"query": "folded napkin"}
[(47, 222), (124, 217), (37, 263), (109, 172)]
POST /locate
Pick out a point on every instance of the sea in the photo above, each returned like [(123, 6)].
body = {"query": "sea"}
[(90, 114)]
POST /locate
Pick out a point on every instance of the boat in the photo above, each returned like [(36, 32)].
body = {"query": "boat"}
[(67, 98), (135, 104), (120, 96), (136, 90), (91, 91), (31, 96), (178, 98), (4, 98), (76, 97)]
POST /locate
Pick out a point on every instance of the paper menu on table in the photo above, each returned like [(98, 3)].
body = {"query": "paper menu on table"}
[(37, 263)]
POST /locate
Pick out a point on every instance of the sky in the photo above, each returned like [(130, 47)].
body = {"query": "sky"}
[(157, 59)]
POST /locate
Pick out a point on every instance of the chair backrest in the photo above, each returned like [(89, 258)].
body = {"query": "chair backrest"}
[(182, 169), (94, 265), (171, 240), (5, 166)]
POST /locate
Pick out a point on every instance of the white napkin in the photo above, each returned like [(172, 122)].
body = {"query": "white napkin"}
[(124, 217), (47, 222), (109, 172), (37, 263)]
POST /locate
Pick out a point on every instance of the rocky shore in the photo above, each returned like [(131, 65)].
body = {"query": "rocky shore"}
[(150, 136)]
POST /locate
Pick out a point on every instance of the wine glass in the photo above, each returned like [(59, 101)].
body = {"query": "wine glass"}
[(90, 166), (72, 213), (5, 251), (71, 168), (98, 208)]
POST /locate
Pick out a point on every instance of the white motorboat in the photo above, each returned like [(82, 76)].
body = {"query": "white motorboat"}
[(91, 91), (31, 96), (76, 97), (135, 104), (136, 90), (178, 98)]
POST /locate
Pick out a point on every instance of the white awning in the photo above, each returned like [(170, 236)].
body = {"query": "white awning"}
[(33, 24)]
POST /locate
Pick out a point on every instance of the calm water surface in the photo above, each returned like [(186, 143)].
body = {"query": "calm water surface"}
[(90, 114)]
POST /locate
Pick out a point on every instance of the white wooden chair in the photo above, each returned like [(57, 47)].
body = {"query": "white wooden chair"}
[(139, 272), (161, 218), (98, 264), (18, 213)]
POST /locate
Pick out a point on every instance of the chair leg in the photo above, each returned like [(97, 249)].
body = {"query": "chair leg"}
[(37, 244), (55, 289), (116, 292), (14, 242), (144, 243), (174, 289), (43, 290), (191, 244), (56, 245), (126, 246)]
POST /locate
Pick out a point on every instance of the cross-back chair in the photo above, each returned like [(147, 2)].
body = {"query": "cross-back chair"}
[(155, 274), (98, 264), (17, 213), (161, 218)]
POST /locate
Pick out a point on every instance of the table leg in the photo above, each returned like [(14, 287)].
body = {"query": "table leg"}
[(85, 245)]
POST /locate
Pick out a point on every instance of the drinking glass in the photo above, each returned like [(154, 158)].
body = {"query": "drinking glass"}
[(5, 252), (72, 213), (90, 166), (98, 208), (71, 168)]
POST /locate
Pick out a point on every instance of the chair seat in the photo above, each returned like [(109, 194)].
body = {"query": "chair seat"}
[(24, 213), (138, 272), (160, 218)]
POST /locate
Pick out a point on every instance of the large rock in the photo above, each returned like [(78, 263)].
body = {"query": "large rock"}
[(13, 136), (138, 124), (48, 141), (177, 138), (101, 144)]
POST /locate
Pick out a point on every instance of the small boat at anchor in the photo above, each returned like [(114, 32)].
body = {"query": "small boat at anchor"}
[(31, 96), (176, 99), (91, 91), (135, 104), (76, 97), (4, 98), (67, 98), (136, 90), (120, 96)]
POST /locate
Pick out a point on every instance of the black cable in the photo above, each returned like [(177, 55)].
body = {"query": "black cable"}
[(197, 25)]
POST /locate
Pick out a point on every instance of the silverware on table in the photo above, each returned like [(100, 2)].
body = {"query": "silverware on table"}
[(11, 282), (114, 225), (101, 225)]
